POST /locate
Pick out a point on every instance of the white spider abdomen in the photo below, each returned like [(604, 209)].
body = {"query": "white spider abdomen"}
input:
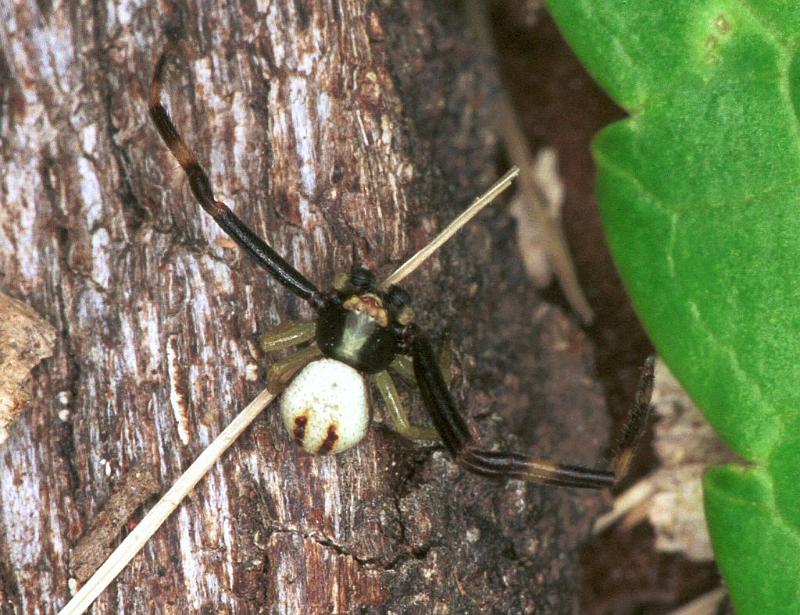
[(325, 407)]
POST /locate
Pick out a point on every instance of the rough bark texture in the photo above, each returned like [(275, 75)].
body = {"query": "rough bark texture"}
[(339, 131)]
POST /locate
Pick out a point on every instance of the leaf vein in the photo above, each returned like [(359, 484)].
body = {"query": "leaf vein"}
[(745, 377), (756, 16), (786, 93)]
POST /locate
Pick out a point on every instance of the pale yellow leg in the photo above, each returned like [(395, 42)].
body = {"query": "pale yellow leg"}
[(287, 334), (282, 372), (396, 412), (404, 366)]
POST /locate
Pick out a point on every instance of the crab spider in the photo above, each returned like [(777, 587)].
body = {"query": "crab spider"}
[(363, 328)]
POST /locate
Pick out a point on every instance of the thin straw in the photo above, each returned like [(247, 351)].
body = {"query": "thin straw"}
[(473, 210), (153, 520)]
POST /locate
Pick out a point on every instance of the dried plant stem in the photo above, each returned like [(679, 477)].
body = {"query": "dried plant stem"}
[(153, 520), (473, 210), (624, 503), (555, 244), (709, 602), (532, 195)]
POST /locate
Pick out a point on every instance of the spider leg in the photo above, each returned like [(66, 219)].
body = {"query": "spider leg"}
[(404, 365), (636, 420), (282, 372), (287, 334), (251, 243), (457, 438), (396, 412)]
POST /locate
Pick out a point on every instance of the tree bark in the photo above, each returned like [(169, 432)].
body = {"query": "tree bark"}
[(340, 131)]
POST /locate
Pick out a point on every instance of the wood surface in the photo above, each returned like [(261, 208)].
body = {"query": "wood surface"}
[(338, 130)]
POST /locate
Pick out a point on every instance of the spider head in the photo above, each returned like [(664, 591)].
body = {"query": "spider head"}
[(359, 322), (359, 292)]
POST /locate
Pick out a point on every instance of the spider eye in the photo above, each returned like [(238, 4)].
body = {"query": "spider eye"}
[(397, 297), (400, 303), (361, 278)]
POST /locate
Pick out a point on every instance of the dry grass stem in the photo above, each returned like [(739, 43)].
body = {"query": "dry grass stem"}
[(153, 520), (473, 210)]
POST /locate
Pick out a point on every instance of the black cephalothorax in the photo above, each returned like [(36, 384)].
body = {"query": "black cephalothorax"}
[(361, 325)]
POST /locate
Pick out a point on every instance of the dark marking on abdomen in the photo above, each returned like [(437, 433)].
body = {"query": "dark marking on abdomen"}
[(300, 428), (329, 442)]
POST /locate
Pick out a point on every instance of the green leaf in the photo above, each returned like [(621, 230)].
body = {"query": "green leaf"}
[(741, 504), (700, 193)]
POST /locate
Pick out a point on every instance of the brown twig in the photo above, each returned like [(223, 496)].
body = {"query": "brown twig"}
[(132, 490), (532, 195)]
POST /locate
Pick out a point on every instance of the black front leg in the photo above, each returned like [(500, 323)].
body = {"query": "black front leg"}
[(265, 256), (458, 440)]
